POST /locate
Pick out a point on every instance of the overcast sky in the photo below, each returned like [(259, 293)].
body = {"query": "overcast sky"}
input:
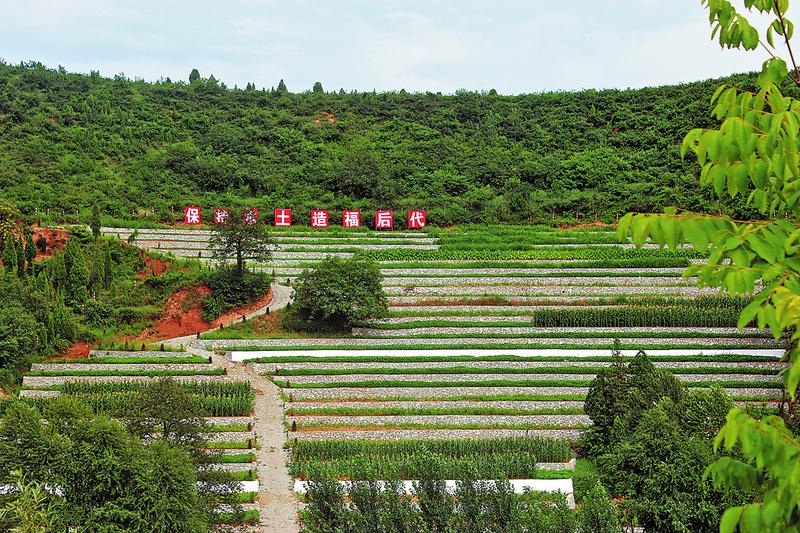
[(428, 45)]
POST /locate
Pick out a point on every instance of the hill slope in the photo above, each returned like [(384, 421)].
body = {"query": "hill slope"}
[(70, 140)]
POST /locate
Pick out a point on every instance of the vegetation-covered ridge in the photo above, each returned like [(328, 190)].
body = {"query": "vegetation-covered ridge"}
[(69, 141)]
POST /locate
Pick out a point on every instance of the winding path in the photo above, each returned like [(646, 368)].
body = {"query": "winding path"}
[(276, 500)]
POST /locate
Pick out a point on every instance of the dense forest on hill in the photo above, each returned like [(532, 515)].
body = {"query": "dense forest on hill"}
[(69, 141)]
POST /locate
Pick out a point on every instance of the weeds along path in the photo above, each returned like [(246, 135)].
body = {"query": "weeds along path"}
[(277, 504)]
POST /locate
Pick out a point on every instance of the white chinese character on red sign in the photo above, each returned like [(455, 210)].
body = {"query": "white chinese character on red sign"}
[(416, 219), (221, 216), (384, 220), (250, 216), (283, 217), (319, 218), (351, 219), (191, 214)]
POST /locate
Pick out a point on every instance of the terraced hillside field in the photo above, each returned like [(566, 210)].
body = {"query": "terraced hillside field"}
[(493, 333), (109, 382)]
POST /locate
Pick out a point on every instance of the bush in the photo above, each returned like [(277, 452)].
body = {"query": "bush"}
[(232, 288), (338, 294)]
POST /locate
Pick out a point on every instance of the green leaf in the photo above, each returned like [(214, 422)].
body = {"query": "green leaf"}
[(730, 519)]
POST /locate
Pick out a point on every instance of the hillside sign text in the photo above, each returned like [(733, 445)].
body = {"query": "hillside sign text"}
[(384, 219)]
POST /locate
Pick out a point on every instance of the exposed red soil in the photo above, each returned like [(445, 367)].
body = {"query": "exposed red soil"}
[(152, 267), (55, 238), (79, 350), (585, 225), (325, 116), (183, 315)]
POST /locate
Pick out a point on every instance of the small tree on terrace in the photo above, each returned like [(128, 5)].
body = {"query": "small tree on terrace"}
[(339, 293), (94, 223), (242, 241)]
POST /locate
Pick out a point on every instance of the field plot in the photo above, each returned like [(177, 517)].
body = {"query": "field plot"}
[(489, 348), (109, 381)]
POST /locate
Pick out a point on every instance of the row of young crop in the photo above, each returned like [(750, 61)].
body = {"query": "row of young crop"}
[(509, 457), (117, 398)]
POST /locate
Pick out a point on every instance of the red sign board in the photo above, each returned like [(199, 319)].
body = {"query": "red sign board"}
[(351, 219), (319, 218), (283, 217), (416, 219), (250, 216), (191, 215), (222, 216), (384, 220)]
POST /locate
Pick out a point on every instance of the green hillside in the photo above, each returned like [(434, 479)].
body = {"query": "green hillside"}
[(70, 140)]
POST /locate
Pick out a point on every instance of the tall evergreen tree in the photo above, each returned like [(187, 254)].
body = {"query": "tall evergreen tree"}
[(20, 258), (194, 75), (95, 221), (281, 90), (317, 88), (108, 265), (77, 274), (10, 254), (30, 249)]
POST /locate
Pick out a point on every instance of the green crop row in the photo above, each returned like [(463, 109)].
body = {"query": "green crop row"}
[(553, 253), (545, 450), (532, 370), (421, 464), (634, 262), (234, 458), (205, 388), (388, 383), (629, 315), (513, 358)]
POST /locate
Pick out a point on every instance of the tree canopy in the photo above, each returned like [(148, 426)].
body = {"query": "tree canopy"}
[(71, 141)]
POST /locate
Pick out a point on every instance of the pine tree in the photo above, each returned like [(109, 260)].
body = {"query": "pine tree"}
[(108, 265), (20, 258), (194, 76), (58, 271), (10, 254), (317, 88), (30, 250), (77, 274), (281, 90), (95, 221)]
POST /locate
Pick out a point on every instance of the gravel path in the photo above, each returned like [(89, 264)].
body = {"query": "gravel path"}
[(276, 501)]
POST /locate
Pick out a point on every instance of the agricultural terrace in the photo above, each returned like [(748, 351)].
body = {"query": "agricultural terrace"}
[(109, 381), (493, 337)]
